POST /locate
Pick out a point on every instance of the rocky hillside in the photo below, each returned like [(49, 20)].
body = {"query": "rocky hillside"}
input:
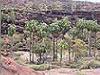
[(87, 6), (77, 5)]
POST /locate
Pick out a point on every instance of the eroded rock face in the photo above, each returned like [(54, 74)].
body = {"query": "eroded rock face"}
[(10, 67)]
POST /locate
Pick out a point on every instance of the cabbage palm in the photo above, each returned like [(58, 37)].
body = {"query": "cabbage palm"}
[(79, 48), (11, 31), (36, 29), (74, 32), (31, 26), (91, 26), (55, 29), (63, 45), (41, 47), (68, 39)]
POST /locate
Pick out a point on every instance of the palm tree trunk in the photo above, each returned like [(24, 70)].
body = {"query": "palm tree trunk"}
[(75, 58), (13, 21), (95, 44), (54, 49), (40, 57), (81, 34), (11, 50), (89, 43), (69, 51), (61, 56), (30, 48)]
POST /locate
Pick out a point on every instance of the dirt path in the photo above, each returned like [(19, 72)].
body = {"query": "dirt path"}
[(65, 71)]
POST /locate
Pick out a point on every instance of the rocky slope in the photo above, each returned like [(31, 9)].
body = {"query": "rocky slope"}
[(81, 5), (10, 67)]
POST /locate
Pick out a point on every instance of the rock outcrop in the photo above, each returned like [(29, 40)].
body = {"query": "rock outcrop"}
[(10, 67)]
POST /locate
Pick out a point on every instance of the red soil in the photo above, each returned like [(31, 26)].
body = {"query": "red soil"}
[(65, 71), (10, 67)]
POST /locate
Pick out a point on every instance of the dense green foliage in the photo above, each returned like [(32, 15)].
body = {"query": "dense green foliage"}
[(58, 40), (11, 30)]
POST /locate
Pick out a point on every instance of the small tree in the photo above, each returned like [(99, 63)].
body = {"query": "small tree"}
[(79, 49), (63, 45), (40, 48), (11, 31)]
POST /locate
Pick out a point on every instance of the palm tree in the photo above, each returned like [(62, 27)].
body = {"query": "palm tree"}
[(91, 26), (63, 46), (30, 25), (79, 48), (38, 30), (74, 33), (11, 31), (96, 29), (68, 40), (55, 29), (40, 48), (54, 32)]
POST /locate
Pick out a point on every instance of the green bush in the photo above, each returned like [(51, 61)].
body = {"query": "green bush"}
[(72, 65), (41, 67), (86, 64)]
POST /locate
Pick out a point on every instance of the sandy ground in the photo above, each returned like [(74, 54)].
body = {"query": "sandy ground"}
[(65, 71)]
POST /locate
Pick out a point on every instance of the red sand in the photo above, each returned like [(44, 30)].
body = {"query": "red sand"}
[(66, 71), (10, 67)]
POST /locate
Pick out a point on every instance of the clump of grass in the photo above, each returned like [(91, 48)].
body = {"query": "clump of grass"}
[(41, 67), (85, 64), (80, 73)]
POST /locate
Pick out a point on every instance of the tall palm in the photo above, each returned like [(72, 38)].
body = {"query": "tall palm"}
[(63, 46), (32, 27), (11, 31), (96, 29), (91, 26), (79, 49), (68, 40), (38, 30), (55, 29)]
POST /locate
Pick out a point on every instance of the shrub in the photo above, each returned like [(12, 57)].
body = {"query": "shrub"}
[(80, 73), (39, 67), (86, 64)]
